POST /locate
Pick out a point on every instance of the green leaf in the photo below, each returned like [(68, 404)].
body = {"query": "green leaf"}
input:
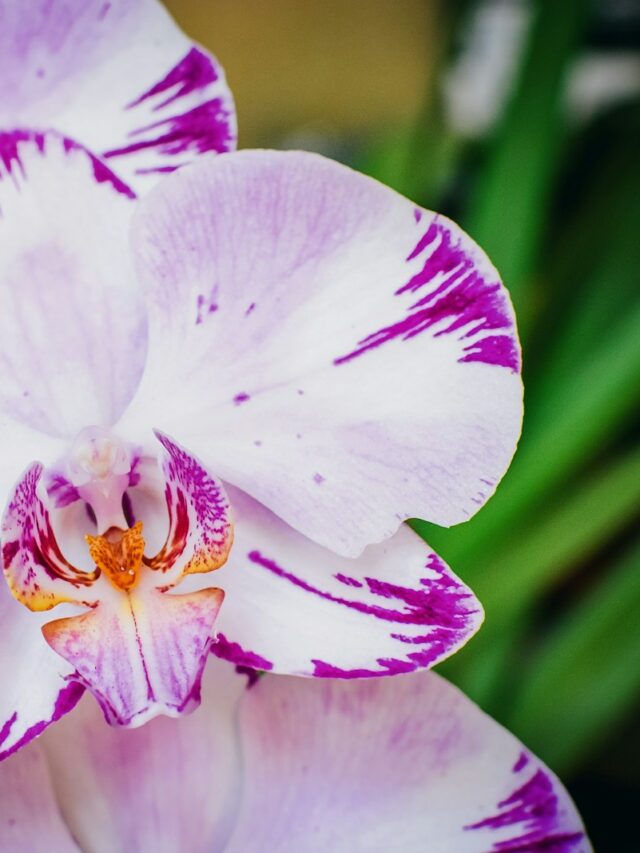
[(513, 578), (585, 675), (508, 213)]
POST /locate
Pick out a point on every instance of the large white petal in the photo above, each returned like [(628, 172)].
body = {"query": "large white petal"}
[(72, 325), (406, 765), (30, 821), (346, 358)]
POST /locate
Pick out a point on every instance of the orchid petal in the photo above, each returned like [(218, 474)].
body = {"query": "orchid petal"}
[(72, 328), (120, 78), (29, 817), (141, 655), (38, 573), (200, 530), (170, 785), (292, 606), (408, 765), (295, 308), (36, 690)]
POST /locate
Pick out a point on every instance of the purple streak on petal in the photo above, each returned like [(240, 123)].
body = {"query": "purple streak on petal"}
[(440, 608), (60, 490), (10, 156), (465, 299), (194, 72), (347, 581), (127, 509), (533, 807), (134, 471), (233, 652), (67, 699), (240, 398), (253, 675), (318, 478), (203, 128), (521, 763), (495, 349), (206, 304), (435, 606)]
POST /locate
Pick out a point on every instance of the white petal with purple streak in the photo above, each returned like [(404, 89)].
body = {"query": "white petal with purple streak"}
[(296, 308), (36, 690), (292, 606), (408, 765), (72, 328), (119, 77)]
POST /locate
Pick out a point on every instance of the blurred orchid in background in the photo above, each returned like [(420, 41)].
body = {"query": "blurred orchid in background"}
[(404, 764)]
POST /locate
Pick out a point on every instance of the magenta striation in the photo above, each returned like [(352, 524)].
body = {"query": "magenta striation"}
[(205, 127), (67, 699), (534, 808), (440, 605), (233, 652), (194, 72), (60, 490), (464, 299), (10, 160)]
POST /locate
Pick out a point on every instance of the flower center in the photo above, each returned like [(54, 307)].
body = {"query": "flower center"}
[(99, 466), (118, 553)]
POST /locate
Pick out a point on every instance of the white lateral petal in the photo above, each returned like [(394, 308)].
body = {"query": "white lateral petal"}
[(292, 606)]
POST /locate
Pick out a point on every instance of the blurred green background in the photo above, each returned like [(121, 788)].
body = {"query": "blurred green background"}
[(521, 120)]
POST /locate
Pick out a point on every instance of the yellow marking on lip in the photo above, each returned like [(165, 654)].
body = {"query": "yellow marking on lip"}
[(118, 553)]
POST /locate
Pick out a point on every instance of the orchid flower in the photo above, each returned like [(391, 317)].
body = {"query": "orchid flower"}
[(268, 350), (118, 78), (404, 764)]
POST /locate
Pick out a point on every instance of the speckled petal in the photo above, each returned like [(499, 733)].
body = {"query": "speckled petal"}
[(142, 654), (36, 570), (200, 530), (292, 606), (408, 765), (296, 308), (119, 77)]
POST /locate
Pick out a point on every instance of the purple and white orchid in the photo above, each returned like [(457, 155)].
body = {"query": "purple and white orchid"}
[(262, 366), (290, 765), (117, 77), (323, 359)]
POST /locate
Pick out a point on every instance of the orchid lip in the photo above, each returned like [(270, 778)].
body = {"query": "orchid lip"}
[(139, 647)]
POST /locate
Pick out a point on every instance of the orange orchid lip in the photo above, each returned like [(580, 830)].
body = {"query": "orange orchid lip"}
[(118, 553)]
